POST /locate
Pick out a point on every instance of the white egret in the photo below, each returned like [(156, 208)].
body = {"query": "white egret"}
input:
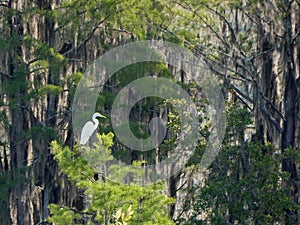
[(89, 128)]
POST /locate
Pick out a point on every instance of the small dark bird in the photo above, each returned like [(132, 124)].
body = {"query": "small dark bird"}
[(66, 47)]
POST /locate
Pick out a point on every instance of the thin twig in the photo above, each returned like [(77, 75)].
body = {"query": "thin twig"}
[(5, 75)]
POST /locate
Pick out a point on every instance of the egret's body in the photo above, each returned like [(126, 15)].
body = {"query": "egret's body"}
[(89, 128)]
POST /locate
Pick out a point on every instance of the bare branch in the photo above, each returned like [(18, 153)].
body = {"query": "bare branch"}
[(268, 115), (189, 8), (121, 30), (273, 106), (5, 75), (3, 5), (237, 62), (88, 37), (295, 37), (226, 21), (225, 67), (241, 93), (245, 103), (70, 19)]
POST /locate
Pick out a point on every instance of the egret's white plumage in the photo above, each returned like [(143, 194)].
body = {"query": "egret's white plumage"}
[(89, 128)]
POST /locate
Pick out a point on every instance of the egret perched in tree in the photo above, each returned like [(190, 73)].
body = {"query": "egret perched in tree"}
[(89, 128)]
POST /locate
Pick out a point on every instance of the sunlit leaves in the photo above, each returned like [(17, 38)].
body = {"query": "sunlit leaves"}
[(109, 202), (62, 215)]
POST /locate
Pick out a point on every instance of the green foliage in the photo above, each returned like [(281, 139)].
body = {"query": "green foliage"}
[(39, 131), (238, 119), (73, 80), (244, 185), (50, 89), (76, 168), (109, 202), (121, 217), (62, 215), (175, 126), (142, 110), (8, 182), (19, 83), (247, 195)]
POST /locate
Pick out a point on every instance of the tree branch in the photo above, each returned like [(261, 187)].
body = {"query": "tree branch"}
[(225, 20), (240, 92), (225, 67), (2, 4), (189, 8), (273, 106), (88, 37), (5, 75), (268, 115)]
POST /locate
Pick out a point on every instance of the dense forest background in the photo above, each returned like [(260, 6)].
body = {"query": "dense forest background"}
[(253, 48)]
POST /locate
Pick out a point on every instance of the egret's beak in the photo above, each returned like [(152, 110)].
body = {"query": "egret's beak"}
[(100, 115)]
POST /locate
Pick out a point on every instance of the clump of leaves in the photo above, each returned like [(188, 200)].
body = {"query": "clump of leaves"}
[(109, 202)]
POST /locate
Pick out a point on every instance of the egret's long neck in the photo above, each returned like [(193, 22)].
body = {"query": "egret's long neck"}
[(96, 122)]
